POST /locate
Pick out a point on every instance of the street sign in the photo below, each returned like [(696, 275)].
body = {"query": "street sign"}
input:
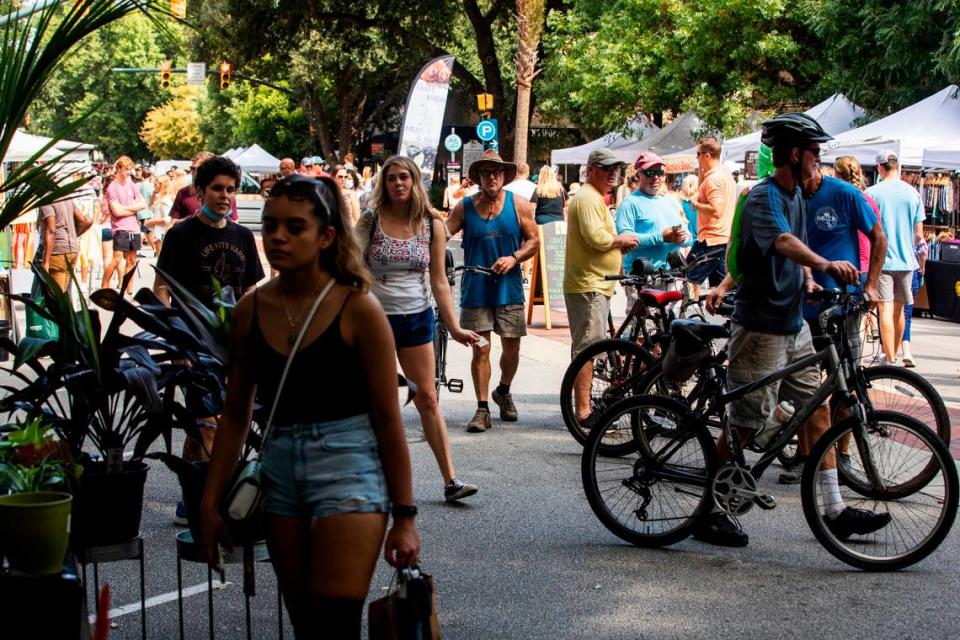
[(452, 143), (197, 73), (487, 129)]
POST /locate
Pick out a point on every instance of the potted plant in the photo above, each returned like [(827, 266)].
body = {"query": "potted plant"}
[(36, 473)]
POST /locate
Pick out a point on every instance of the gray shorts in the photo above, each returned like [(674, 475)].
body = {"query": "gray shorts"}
[(896, 286), (507, 321), (754, 355), (587, 314)]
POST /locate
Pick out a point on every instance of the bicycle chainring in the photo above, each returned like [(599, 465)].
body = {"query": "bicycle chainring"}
[(734, 489)]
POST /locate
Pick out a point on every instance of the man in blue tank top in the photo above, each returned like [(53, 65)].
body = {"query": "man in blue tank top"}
[(499, 232)]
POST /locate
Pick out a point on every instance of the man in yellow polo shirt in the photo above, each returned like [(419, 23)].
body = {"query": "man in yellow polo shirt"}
[(594, 250)]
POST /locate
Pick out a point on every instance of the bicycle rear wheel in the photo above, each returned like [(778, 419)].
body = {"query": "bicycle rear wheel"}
[(900, 449), (617, 368), (652, 495)]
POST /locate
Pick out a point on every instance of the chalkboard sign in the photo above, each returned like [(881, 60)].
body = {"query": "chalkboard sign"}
[(471, 153), (553, 249)]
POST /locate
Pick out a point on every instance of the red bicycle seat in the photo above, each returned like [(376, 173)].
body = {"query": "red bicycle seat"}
[(652, 297)]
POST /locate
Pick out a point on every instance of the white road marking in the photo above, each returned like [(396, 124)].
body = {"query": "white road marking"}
[(161, 599)]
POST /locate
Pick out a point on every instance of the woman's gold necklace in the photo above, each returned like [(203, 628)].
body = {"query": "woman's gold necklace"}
[(294, 323)]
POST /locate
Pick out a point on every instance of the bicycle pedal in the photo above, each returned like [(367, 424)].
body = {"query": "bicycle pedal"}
[(765, 501), (455, 385)]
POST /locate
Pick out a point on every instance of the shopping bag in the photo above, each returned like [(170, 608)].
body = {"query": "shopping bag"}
[(37, 325), (408, 612)]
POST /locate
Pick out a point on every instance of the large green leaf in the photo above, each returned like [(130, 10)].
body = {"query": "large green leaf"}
[(29, 348)]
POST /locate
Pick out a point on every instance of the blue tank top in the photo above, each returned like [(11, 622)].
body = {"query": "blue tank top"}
[(484, 242)]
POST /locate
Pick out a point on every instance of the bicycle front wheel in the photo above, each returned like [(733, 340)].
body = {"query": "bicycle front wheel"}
[(440, 354), (617, 368), (899, 448), (652, 495)]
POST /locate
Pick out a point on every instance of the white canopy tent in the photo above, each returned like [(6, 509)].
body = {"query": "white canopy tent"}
[(908, 131), (943, 156), (24, 145), (835, 114), (640, 128), (255, 160), (678, 135)]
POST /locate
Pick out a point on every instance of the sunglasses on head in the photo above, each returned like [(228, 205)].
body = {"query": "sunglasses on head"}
[(653, 173), (297, 182)]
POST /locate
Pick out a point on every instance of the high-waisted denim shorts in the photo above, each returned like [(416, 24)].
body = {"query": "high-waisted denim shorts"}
[(324, 469)]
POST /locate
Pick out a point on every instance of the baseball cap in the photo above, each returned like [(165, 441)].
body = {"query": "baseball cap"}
[(647, 160), (887, 155), (603, 158), (307, 162)]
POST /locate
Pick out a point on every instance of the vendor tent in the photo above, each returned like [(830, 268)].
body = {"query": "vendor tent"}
[(835, 114), (908, 131), (639, 129), (678, 135), (945, 155), (24, 145), (255, 160)]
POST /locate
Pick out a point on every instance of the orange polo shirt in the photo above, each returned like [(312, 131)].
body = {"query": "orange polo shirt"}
[(717, 188)]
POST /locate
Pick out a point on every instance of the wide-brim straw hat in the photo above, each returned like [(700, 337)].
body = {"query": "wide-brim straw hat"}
[(491, 157)]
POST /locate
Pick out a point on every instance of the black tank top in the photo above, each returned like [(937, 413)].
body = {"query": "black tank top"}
[(326, 379)]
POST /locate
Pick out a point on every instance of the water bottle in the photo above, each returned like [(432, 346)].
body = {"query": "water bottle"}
[(781, 415)]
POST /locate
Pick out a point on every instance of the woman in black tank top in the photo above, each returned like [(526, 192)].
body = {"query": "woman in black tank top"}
[(337, 456)]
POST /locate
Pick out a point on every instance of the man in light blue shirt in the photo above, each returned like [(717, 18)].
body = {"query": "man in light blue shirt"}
[(902, 215), (657, 221)]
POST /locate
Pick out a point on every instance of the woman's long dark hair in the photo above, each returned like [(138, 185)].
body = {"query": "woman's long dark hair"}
[(342, 258)]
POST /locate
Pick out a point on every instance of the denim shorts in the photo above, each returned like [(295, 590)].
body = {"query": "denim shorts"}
[(412, 329), (106, 235), (324, 469)]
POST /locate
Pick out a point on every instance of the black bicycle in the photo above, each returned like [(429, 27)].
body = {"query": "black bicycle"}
[(653, 494), (441, 335)]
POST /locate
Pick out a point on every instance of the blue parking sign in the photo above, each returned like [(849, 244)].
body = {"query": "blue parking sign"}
[(487, 129)]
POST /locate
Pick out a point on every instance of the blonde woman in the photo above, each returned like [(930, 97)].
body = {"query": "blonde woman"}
[(550, 197), (404, 241), (688, 199), (161, 203)]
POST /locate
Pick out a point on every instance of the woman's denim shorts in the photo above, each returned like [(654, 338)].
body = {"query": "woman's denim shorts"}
[(412, 329), (324, 469)]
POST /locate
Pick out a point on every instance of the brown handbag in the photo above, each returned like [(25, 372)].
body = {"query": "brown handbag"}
[(408, 612)]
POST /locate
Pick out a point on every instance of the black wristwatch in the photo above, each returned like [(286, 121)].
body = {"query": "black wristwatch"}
[(403, 511)]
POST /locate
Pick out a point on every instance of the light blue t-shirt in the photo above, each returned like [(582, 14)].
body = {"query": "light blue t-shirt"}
[(646, 217), (900, 209)]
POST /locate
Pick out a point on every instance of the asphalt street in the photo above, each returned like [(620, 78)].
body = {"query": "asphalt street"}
[(526, 558)]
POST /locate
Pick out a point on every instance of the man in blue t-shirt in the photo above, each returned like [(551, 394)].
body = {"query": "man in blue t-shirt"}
[(768, 331), (901, 212), (656, 221)]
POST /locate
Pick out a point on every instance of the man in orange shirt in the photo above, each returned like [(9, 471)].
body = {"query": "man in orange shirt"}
[(716, 202)]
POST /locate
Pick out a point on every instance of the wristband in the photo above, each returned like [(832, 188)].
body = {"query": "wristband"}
[(403, 511)]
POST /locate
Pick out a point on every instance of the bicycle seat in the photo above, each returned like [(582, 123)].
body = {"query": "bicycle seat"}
[(652, 297), (701, 331)]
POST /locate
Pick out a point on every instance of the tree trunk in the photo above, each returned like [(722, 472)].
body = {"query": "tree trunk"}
[(529, 28), (493, 79), (318, 123), (522, 127)]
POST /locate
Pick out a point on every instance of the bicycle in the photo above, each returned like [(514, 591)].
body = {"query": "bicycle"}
[(620, 362), (652, 494), (441, 335)]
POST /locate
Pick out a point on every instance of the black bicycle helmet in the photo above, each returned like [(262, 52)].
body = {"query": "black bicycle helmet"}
[(791, 128)]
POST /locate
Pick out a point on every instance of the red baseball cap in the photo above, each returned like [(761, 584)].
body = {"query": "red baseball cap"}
[(647, 160)]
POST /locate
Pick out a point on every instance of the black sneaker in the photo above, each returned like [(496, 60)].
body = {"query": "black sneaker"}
[(458, 490), (718, 529), (852, 521), (790, 477)]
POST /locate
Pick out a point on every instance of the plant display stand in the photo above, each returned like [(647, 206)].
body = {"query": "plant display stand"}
[(130, 550), (44, 606), (192, 551)]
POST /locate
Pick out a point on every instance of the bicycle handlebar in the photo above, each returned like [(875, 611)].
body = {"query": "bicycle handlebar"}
[(474, 269)]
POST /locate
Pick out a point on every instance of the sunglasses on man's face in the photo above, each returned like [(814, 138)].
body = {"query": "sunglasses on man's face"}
[(815, 151), (653, 173), (489, 173)]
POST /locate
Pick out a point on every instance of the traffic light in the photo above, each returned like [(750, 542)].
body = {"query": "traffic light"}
[(224, 75), (165, 75), (178, 9)]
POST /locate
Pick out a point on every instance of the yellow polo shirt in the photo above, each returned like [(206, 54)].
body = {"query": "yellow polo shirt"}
[(590, 254)]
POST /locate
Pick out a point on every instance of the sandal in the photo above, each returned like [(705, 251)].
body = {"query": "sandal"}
[(909, 363)]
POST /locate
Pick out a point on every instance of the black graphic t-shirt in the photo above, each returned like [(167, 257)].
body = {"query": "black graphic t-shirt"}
[(194, 251)]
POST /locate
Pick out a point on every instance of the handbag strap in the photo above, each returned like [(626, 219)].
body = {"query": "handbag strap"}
[(265, 436)]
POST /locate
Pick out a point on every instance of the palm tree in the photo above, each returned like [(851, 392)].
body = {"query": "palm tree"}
[(530, 28), (33, 45)]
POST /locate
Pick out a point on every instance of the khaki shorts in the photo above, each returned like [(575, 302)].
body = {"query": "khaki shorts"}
[(587, 314), (896, 286), (60, 267), (754, 355), (506, 321)]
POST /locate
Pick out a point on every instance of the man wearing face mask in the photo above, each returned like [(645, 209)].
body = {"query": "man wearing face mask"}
[(210, 245), (768, 331)]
